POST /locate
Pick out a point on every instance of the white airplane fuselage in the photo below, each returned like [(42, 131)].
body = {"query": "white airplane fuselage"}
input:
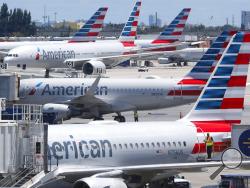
[(53, 56), (110, 144), (122, 94)]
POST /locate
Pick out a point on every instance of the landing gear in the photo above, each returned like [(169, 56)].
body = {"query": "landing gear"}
[(46, 73), (120, 118)]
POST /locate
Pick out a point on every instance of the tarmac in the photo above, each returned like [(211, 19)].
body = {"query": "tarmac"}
[(198, 179)]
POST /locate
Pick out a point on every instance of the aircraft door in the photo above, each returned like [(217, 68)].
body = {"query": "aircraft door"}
[(200, 142)]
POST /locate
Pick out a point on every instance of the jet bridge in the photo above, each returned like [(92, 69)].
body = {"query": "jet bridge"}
[(9, 86)]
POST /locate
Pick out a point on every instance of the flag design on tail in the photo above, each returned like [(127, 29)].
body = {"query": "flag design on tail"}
[(193, 83), (202, 70), (129, 31), (91, 29), (175, 29), (222, 99)]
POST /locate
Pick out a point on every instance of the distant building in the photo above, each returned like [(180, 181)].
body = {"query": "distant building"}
[(245, 20), (153, 20)]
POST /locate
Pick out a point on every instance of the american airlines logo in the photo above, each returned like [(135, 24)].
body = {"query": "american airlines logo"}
[(77, 149), (68, 91), (33, 90), (55, 55)]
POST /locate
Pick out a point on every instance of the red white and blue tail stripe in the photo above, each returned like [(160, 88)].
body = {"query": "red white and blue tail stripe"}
[(222, 99), (202, 70), (173, 31), (91, 29), (129, 31)]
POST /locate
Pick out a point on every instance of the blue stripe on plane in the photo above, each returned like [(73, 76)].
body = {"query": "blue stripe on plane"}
[(234, 48), (127, 29), (218, 82), (200, 69), (224, 71), (229, 60), (221, 39), (209, 57), (213, 51), (208, 104), (239, 37), (214, 93), (217, 45), (204, 63)]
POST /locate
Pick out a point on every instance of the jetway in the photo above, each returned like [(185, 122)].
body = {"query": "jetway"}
[(9, 86)]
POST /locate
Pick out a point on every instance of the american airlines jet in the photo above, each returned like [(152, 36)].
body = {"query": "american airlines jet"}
[(109, 154), (88, 33), (93, 58), (91, 98), (94, 55)]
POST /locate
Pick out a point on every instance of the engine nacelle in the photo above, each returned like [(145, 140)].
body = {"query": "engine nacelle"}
[(56, 112), (94, 68), (95, 182)]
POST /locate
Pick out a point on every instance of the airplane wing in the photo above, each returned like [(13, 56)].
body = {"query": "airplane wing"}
[(114, 60), (71, 173)]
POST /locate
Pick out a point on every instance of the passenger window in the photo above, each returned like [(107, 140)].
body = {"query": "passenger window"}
[(185, 144), (131, 145), (158, 144), (169, 144), (153, 144), (142, 145), (174, 144), (114, 145), (164, 145), (136, 145), (120, 146), (147, 144), (126, 146), (179, 144)]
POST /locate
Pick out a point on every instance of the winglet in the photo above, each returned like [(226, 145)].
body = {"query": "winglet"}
[(129, 31), (222, 99), (175, 29), (91, 29), (92, 89)]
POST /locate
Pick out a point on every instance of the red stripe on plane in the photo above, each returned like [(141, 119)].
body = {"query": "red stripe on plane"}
[(96, 25), (242, 59), (225, 44), (162, 41), (137, 13), (93, 34), (192, 82), (180, 26), (101, 17), (215, 125), (162, 49), (177, 33), (132, 33), (218, 57), (246, 37), (232, 103), (184, 18), (135, 23), (184, 92), (237, 81), (218, 147), (128, 44)]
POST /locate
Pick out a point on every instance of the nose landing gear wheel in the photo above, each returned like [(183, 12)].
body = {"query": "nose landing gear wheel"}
[(120, 118)]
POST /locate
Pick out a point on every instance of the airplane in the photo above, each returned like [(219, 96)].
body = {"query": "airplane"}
[(88, 33), (171, 34), (93, 58), (94, 55), (109, 154), (93, 97)]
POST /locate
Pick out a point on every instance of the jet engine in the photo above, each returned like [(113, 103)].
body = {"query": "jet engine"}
[(54, 113), (94, 68), (95, 182)]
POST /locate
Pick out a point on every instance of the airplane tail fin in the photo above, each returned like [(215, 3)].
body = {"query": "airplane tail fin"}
[(202, 70), (129, 31), (91, 29), (175, 29), (222, 99)]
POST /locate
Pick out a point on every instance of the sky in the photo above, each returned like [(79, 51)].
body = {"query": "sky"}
[(208, 12)]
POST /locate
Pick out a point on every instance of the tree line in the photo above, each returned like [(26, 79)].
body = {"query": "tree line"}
[(16, 22)]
